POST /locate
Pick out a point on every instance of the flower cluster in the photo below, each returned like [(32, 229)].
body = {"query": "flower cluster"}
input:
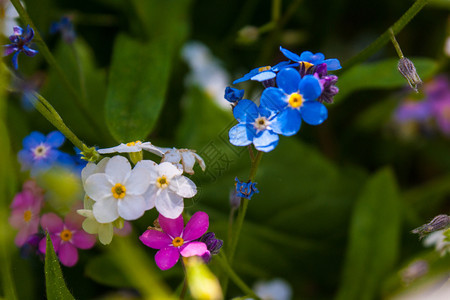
[(294, 91)]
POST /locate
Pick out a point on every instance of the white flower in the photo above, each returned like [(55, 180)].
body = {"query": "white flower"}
[(92, 168), (187, 158), (132, 147), (276, 289), (167, 188), (105, 231), (118, 192), (437, 239)]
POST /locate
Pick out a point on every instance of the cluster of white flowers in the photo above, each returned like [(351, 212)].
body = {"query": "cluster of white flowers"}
[(115, 191)]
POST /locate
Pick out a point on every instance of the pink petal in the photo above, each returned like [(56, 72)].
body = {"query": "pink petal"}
[(167, 258), (68, 254), (56, 241), (173, 227), (16, 219), (73, 220), (22, 237), (155, 239), (193, 248), (83, 240), (196, 226), (52, 223), (23, 199)]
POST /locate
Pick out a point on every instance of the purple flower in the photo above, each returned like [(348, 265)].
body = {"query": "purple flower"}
[(413, 111), (66, 237), (20, 43), (328, 83), (174, 240), (245, 189), (25, 215), (65, 26), (39, 151), (212, 244)]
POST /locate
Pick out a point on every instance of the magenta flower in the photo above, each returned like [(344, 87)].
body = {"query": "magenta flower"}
[(173, 240), (25, 215), (66, 237)]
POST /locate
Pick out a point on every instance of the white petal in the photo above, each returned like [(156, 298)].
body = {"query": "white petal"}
[(183, 187), (168, 204), (101, 166), (87, 171), (200, 161), (122, 148), (118, 168), (150, 166), (98, 186), (188, 161), (85, 213), (105, 211), (131, 207), (172, 155), (169, 170), (150, 197), (153, 149), (138, 182), (105, 233), (90, 225)]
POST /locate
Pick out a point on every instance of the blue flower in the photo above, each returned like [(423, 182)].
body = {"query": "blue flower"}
[(65, 26), (245, 189), (39, 151), (233, 95), (311, 59), (262, 74), (20, 43), (294, 100), (255, 126)]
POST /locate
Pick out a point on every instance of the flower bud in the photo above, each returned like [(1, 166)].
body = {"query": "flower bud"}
[(439, 222), (233, 95), (408, 70)]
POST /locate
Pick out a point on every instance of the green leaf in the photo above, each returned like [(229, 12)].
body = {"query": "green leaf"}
[(140, 71), (374, 238), (55, 285), (380, 75)]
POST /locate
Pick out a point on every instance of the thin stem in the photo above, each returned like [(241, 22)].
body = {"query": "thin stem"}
[(234, 277), (276, 10), (395, 43), (81, 78), (52, 61), (250, 152), (385, 37), (184, 289)]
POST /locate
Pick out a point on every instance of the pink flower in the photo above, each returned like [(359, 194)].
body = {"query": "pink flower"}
[(66, 237), (25, 215), (175, 239)]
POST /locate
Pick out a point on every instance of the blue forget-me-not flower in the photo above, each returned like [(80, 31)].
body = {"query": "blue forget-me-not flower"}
[(311, 59), (245, 189)]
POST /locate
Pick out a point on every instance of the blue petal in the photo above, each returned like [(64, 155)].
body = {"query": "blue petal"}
[(25, 158), (33, 140), (15, 60), (28, 35), (287, 122), (55, 139), (266, 141), (274, 99), (313, 112), (263, 76), (280, 66), (332, 64), (17, 30), (317, 58), (240, 135), (245, 111), (310, 87), (8, 49), (288, 80), (243, 78), (29, 51), (292, 56)]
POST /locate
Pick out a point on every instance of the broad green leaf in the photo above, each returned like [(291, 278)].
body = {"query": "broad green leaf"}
[(374, 238), (55, 285), (140, 71), (380, 75)]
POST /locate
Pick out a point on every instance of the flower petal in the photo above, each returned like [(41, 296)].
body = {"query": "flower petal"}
[(83, 240), (274, 99), (292, 56), (98, 186), (90, 225), (310, 87), (33, 140), (169, 204), (105, 233), (240, 135), (15, 60), (263, 76), (188, 161), (155, 239), (51, 223), (138, 181), (313, 112), (150, 196), (286, 122), (196, 226), (118, 168), (183, 186), (56, 241), (266, 141), (169, 170), (105, 210), (55, 139), (288, 80), (8, 49), (131, 207), (193, 248), (68, 254), (245, 111), (172, 227), (28, 51), (332, 64), (167, 258), (28, 35)]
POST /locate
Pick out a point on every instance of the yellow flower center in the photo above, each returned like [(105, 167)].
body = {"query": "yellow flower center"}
[(40, 151), (295, 100), (306, 64), (134, 143), (264, 68), (162, 182), (119, 191), (27, 215), (178, 242), (66, 235)]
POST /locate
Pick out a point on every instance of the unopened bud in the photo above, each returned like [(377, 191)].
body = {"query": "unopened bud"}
[(408, 70), (248, 35), (439, 222)]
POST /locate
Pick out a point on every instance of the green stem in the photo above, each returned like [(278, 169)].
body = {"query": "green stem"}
[(184, 289), (234, 277), (276, 10), (81, 79), (52, 62), (395, 43), (385, 37)]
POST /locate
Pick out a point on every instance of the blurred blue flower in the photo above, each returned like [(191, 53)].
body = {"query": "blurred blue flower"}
[(262, 74), (233, 95), (294, 100), (65, 27), (255, 126), (20, 43), (39, 151), (312, 59), (245, 189)]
